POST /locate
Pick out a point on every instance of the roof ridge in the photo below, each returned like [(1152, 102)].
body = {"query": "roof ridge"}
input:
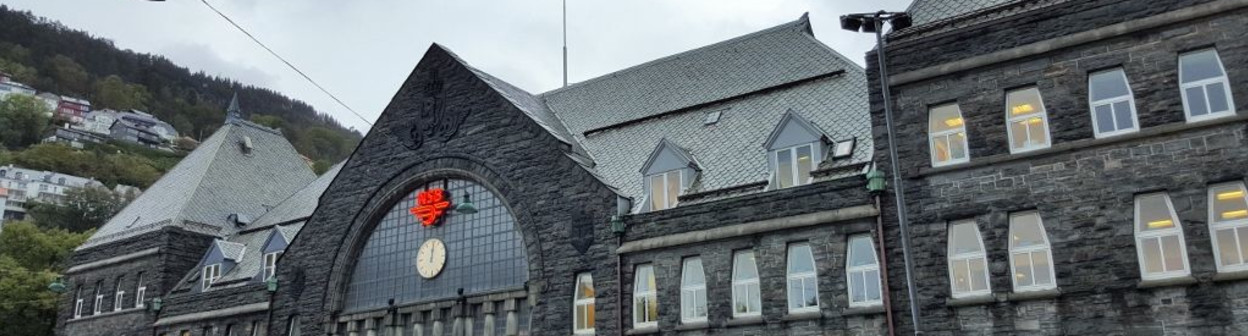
[(803, 21)]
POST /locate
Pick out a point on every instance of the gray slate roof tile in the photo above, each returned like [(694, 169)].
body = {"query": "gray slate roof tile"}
[(929, 11)]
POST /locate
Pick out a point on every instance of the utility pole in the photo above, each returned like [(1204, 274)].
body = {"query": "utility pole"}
[(565, 43)]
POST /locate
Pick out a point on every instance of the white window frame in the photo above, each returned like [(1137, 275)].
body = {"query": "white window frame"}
[(861, 272), (1203, 84), (1026, 251), (99, 303), (948, 136), (1129, 98), (78, 303), (1235, 225), (1175, 230), (270, 264), (209, 275), (117, 299), (140, 292), (639, 320), (578, 302), (968, 258), (695, 293), (796, 172), (751, 286), (1010, 119), (801, 278), (668, 203)]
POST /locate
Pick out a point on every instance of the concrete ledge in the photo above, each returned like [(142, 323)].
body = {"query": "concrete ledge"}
[(1171, 282), (976, 300), (106, 314), (1034, 295), (698, 325), (643, 331), (211, 314), (1231, 276), (1037, 48), (746, 229), (802, 316), (744, 321), (112, 261), (865, 310), (1082, 144)]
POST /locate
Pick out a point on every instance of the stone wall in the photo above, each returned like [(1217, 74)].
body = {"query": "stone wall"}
[(1083, 187)]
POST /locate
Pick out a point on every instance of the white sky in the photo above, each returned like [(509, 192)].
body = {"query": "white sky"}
[(362, 50)]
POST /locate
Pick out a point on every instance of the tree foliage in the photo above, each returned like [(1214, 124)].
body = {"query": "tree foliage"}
[(81, 209), (109, 164), (30, 258), (22, 120), (52, 57)]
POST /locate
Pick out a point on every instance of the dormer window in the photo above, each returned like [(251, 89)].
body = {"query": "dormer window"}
[(793, 165), (664, 189), (795, 149), (270, 264), (210, 275)]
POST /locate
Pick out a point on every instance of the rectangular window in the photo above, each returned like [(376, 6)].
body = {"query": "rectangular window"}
[(583, 310), (1159, 238), (1228, 221), (645, 298), (270, 264), (1206, 90), (863, 272), (793, 165), (1026, 119), (78, 302), (692, 291), (968, 264), (947, 135), (210, 275), (229, 330), (746, 299), (1112, 103), (803, 283), (1030, 253), (98, 305), (119, 296), (664, 189), (139, 291)]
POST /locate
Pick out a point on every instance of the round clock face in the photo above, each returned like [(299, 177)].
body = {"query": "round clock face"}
[(431, 258)]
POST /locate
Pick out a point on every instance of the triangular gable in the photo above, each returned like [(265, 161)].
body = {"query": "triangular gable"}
[(667, 156), (277, 241), (792, 130)]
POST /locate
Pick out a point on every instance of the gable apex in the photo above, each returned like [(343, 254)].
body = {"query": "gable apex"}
[(667, 146), (792, 118)]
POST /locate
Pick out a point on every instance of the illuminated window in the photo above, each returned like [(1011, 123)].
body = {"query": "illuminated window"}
[(793, 165), (1030, 254), (645, 299), (947, 132), (270, 264), (1206, 91), (1112, 104), (1159, 238), (210, 275), (1028, 122), (1228, 221), (968, 264), (863, 271), (803, 283), (746, 300), (584, 305), (664, 189), (692, 291)]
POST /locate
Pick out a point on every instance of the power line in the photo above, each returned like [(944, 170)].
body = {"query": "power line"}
[(280, 58)]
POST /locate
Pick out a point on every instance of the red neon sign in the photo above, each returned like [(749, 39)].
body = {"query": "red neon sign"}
[(430, 206)]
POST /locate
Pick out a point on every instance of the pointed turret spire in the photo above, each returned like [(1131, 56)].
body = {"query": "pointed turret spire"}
[(233, 112)]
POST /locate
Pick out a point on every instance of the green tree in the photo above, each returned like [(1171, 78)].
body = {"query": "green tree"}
[(69, 77), (22, 120), (268, 120), (81, 209), (113, 92), (29, 260), (20, 72)]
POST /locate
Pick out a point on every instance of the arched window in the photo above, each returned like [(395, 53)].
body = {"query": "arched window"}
[(1228, 221), (692, 291), (803, 283), (480, 252), (863, 270), (947, 135), (1206, 91), (968, 264), (1159, 238), (746, 300), (1030, 255), (645, 298), (583, 312)]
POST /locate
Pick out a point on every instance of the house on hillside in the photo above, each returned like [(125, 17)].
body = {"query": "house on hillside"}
[(26, 185)]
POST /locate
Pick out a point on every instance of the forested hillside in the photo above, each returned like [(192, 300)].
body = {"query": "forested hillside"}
[(51, 57)]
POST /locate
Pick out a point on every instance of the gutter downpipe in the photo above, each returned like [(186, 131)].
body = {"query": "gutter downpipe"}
[(898, 187), (619, 288), (879, 236)]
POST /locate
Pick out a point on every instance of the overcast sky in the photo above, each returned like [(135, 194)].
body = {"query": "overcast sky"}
[(362, 50)]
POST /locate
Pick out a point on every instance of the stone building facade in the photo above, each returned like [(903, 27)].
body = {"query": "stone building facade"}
[(1013, 113)]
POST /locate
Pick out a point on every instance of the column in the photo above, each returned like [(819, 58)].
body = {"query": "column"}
[(487, 308), (436, 316), (418, 323), (513, 321)]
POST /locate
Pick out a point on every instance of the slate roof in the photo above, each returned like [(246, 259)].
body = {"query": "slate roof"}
[(253, 262), (301, 204), (929, 11), (215, 180), (631, 110), (231, 250)]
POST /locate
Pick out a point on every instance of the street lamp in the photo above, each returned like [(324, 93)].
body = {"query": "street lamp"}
[(874, 23)]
